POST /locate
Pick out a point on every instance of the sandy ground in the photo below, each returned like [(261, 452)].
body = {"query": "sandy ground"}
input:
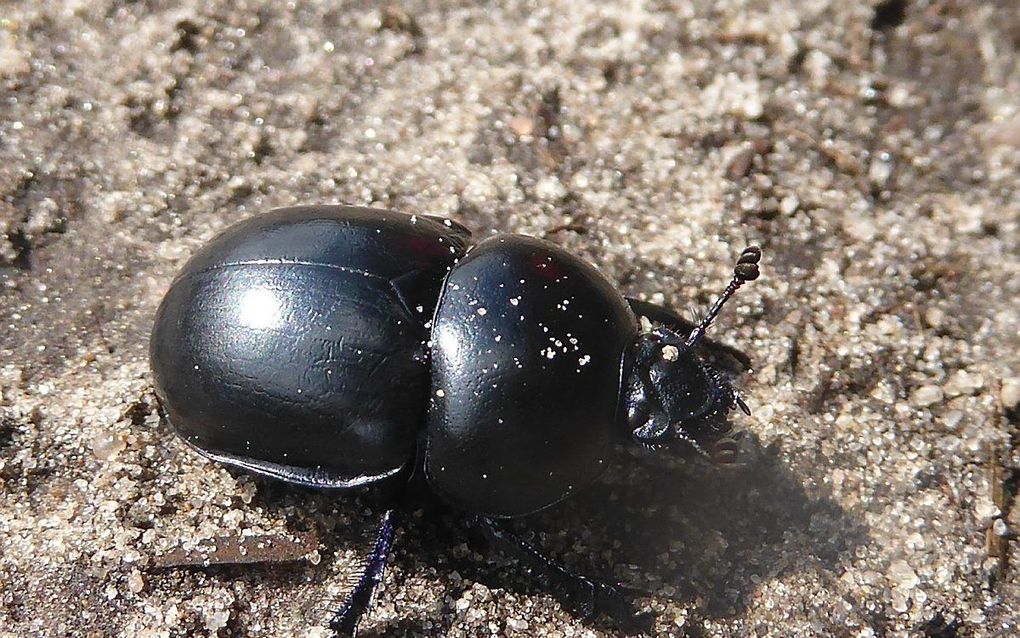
[(873, 153)]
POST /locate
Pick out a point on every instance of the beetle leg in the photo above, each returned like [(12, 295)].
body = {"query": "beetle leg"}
[(683, 327), (345, 621), (655, 429), (589, 596), (726, 389)]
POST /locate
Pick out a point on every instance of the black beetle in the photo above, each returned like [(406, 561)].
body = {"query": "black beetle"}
[(342, 347)]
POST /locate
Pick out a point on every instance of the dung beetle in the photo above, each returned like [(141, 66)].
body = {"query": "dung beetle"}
[(343, 347)]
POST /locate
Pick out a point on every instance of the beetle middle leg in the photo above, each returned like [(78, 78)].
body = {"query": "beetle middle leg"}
[(682, 326), (345, 621), (590, 596)]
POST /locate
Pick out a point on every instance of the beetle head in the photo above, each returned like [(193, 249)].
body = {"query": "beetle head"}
[(672, 395)]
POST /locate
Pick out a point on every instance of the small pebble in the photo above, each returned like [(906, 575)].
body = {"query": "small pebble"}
[(216, 619), (107, 445), (951, 420), (934, 317), (134, 581), (789, 205), (860, 228), (880, 170), (550, 189), (900, 601), (903, 575), (963, 382), (1010, 393), (926, 395), (985, 510)]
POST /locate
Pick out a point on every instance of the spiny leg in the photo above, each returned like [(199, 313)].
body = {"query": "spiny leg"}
[(590, 596), (345, 621), (682, 326)]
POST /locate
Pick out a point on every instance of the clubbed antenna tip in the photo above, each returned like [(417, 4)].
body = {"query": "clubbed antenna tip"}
[(747, 265), (746, 270)]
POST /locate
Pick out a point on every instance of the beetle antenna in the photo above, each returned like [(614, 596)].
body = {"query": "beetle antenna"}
[(746, 270)]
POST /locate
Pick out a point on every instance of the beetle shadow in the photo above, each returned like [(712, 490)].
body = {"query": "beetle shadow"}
[(683, 529), (709, 535), (705, 536), (432, 539)]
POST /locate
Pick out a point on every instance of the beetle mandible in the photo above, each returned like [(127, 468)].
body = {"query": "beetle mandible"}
[(343, 347)]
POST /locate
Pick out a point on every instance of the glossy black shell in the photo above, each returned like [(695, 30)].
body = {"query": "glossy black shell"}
[(527, 353), (294, 344)]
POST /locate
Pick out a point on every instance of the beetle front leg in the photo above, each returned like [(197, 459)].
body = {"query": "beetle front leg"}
[(589, 596), (345, 621)]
